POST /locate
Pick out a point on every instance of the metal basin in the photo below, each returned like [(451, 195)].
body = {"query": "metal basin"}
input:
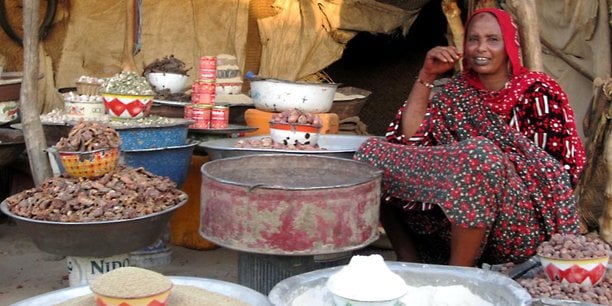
[(172, 162), (337, 145), (134, 135), (12, 144), (241, 293), (273, 95), (173, 133), (95, 239), (10, 85), (290, 204), (493, 287)]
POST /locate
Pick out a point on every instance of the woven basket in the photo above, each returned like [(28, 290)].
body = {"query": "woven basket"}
[(91, 89), (349, 108)]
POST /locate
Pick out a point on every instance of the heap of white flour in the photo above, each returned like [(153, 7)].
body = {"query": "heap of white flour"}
[(367, 278)]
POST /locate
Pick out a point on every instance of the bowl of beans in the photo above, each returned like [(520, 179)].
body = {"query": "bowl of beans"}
[(578, 259)]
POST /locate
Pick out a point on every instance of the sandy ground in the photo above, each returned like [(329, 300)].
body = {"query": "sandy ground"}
[(25, 271)]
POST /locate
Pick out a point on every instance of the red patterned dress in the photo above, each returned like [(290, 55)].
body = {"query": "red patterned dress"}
[(506, 161)]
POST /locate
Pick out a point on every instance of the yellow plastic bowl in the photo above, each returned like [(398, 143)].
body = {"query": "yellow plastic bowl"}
[(89, 164)]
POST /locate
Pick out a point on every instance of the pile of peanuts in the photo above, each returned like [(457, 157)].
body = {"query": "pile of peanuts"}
[(570, 247), (540, 287), (295, 115), (573, 247)]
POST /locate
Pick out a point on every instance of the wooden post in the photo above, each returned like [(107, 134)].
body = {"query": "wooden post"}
[(128, 63), (529, 32), (33, 132), (453, 16)]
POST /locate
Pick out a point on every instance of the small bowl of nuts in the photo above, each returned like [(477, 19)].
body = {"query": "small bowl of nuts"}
[(90, 150), (295, 127), (89, 164), (575, 259)]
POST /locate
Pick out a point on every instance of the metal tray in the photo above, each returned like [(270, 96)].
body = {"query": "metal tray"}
[(492, 286), (244, 294), (231, 129), (338, 145)]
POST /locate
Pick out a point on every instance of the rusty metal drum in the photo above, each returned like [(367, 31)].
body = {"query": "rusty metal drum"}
[(290, 204)]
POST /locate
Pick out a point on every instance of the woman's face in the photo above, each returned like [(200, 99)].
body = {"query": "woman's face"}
[(484, 47)]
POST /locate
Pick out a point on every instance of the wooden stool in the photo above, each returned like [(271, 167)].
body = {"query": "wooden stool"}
[(261, 120)]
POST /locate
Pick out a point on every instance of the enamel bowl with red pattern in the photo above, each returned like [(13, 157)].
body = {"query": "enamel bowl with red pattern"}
[(584, 271), (127, 106), (294, 133)]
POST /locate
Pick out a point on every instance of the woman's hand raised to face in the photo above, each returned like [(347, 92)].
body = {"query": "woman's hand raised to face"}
[(439, 60)]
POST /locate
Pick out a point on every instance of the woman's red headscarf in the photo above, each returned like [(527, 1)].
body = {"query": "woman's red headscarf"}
[(509, 34), (502, 101)]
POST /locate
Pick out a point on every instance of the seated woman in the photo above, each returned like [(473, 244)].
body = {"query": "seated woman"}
[(483, 171)]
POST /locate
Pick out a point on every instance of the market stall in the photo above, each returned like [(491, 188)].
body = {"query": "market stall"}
[(288, 197)]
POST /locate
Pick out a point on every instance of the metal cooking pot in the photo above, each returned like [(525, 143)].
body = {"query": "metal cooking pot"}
[(273, 95), (290, 204)]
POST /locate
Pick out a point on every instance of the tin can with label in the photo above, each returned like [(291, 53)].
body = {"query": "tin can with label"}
[(207, 68), (188, 113), (206, 98), (201, 115), (205, 93), (219, 118), (195, 92)]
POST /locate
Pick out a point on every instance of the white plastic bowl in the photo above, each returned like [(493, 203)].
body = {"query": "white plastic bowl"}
[(84, 109), (272, 95), (162, 80)]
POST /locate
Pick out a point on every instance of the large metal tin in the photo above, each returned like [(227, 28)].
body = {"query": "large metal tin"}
[(493, 287), (337, 145), (95, 239), (290, 204), (241, 293)]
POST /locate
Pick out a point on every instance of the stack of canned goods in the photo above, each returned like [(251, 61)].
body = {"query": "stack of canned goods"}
[(203, 110)]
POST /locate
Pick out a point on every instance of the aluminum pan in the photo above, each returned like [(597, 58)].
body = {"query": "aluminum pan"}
[(244, 294), (337, 145), (494, 287)]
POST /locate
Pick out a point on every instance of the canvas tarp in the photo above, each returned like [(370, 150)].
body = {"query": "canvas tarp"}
[(190, 29), (185, 29), (307, 36)]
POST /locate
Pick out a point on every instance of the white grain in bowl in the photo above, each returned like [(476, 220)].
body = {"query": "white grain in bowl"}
[(130, 282), (182, 295)]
